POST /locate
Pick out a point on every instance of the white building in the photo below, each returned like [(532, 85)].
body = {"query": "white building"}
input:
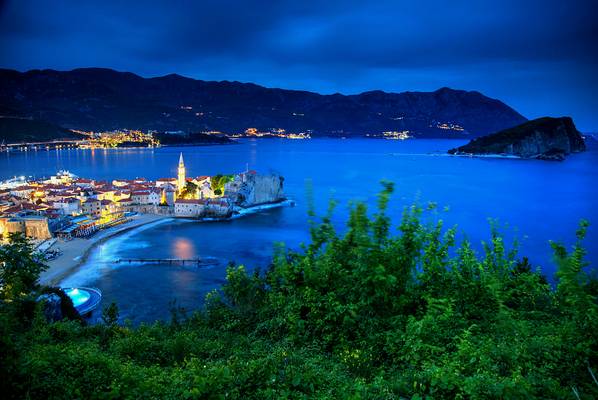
[(61, 178), (204, 187), (188, 208), (84, 183), (169, 194), (68, 206), (22, 191), (145, 197), (165, 181)]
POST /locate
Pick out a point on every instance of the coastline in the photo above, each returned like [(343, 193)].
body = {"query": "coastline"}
[(489, 155), (75, 252)]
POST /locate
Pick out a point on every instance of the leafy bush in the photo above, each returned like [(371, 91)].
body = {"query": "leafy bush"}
[(363, 314)]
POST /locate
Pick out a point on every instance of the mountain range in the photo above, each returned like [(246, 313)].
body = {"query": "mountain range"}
[(98, 99)]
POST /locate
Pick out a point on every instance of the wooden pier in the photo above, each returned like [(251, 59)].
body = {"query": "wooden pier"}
[(200, 262)]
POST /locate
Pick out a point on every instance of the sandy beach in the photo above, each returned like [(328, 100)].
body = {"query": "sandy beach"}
[(76, 251)]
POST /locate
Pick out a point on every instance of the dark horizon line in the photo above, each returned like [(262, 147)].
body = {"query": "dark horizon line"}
[(250, 83)]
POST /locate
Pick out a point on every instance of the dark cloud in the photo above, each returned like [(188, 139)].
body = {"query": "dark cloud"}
[(539, 56)]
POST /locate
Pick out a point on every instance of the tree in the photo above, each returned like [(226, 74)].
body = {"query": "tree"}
[(19, 268), (189, 191), (217, 183), (110, 314), (357, 313)]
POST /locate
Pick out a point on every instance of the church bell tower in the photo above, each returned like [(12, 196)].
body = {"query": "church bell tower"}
[(181, 179)]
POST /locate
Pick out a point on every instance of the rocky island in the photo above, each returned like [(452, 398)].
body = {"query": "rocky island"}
[(543, 139)]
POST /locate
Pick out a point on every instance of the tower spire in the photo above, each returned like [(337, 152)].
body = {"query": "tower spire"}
[(181, 178)]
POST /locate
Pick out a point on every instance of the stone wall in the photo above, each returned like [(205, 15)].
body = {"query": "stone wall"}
[(37, 228), (32, 227), (251, 189)]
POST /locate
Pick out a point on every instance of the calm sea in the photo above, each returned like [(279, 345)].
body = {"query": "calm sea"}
[(533, 200)]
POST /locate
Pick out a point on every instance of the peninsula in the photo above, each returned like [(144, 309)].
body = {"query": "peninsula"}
[(65, 208), (543, 139)]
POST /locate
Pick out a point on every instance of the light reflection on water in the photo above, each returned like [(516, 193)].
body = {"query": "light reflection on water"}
[(183, 248)]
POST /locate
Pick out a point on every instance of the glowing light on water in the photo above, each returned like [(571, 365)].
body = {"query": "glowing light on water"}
[(183, 248), (78, 296)]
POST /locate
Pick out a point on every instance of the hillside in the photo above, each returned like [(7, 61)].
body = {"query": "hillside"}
[(191, 139), (543, 138), (103, 99), (17, 130)]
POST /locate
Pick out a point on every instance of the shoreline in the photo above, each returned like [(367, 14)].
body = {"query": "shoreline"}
[(76, 251), (490, 155)]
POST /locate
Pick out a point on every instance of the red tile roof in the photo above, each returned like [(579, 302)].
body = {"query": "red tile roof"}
[(25, 207), (189, 201), (24, 187)]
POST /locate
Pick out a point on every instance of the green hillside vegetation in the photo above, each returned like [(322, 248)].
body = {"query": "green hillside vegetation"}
[(367, 314), (19, 130), (218, 181)]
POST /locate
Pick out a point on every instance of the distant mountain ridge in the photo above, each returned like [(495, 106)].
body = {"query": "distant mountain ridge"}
[(16, 130), (103, 99)]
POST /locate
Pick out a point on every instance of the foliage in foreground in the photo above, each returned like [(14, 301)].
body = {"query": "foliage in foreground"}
[(366, 314)]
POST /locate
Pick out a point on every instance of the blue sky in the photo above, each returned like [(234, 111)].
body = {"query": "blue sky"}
[(539, 57)]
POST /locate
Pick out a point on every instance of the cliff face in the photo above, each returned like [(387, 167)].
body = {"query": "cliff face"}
[(251, 189), (543, 138)]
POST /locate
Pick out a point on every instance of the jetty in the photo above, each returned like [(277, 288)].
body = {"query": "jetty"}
[(200, 262)]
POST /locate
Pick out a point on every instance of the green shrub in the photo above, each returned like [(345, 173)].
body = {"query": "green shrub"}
[(363, 314)]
